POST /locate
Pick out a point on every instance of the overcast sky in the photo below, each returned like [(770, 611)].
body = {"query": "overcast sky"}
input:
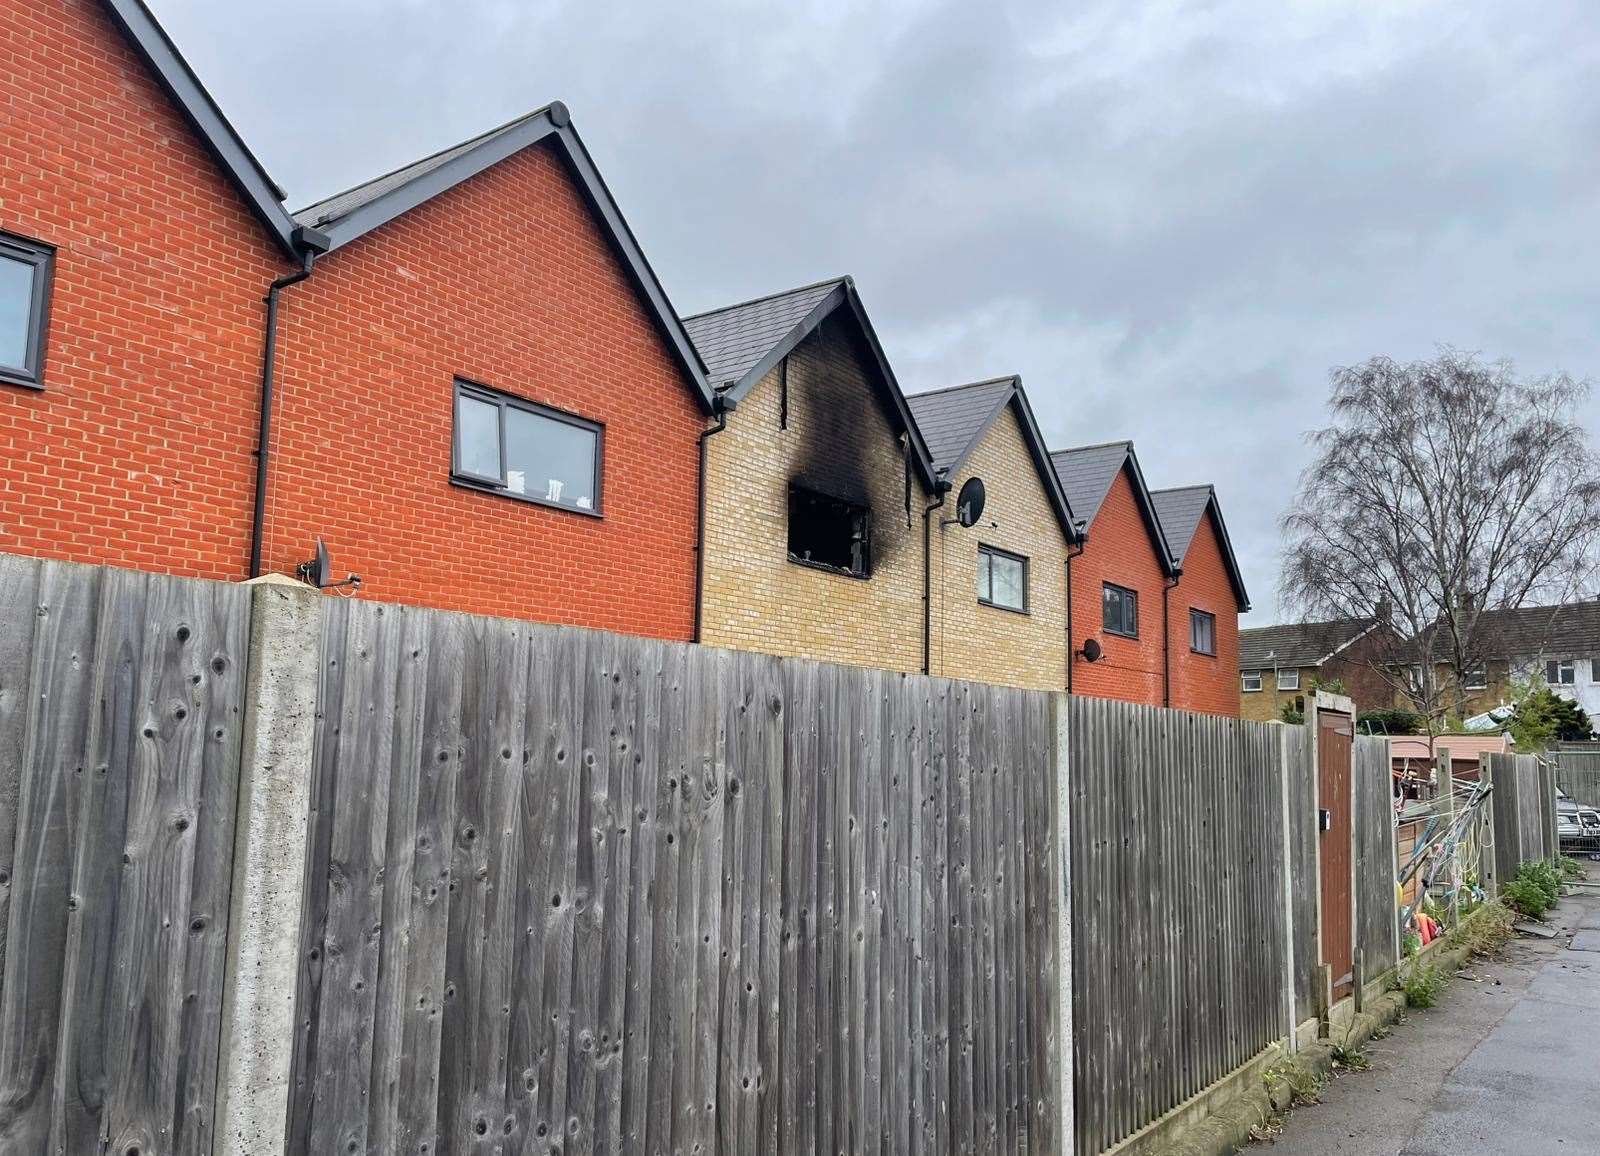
[(1170, 218)]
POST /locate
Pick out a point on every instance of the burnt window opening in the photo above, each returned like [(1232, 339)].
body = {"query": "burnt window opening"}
[(829, 532)]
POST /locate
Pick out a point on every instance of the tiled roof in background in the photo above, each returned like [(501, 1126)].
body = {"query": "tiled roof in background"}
[(733, 339)]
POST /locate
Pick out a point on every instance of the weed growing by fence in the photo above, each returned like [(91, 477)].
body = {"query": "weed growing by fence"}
[(1487, 932), (1305, 1084), (1534, 890), (1422, 986), (1570, 871)]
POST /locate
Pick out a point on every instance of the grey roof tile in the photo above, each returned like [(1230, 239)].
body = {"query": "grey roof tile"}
[(1571, 630), (1297, 643), (1179, 510), (1086, 474), (342, 204), (733, 339), (952, 419)]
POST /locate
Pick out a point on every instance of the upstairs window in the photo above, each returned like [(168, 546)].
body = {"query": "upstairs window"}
[(1477, 678), (1202, 632), (525, 450), (1560, 672), (25, 269), (1289, 679), (1121, 611), (1002, 579), (1249, 681), (830, 533)]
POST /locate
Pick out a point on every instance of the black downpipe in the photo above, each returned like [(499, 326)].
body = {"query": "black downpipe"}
[(264, 435), (724, 405), (942, 488), (1072, 654), (1166, 639)]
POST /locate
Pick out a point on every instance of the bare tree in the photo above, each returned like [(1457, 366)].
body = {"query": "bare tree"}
[(1442, 489)]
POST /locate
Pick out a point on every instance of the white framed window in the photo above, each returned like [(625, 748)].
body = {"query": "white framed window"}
[(1289, 679), (1249, 681), (1561, 672), (1476, 678)]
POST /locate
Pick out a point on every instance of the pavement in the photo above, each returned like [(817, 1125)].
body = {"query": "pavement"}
[(1508, 1063)]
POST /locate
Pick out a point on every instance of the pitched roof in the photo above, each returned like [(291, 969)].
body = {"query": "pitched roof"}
[(1299, 643), (1570, 630), (354, 213), (733, 340), (1180, 511), (742, 343), (955, 419), (1086, 474), (261, 193)]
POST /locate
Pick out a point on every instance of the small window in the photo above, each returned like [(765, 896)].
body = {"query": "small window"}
[(25, 269), (1002, 579), (1289, 679), (1560, 672), (1594, 670), (1477, 678), (526, 450), (830, 533), (1121, 611), (1249, 681), (1202, 632)]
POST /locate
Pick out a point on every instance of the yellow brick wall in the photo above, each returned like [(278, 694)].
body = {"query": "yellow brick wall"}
[(1266, 704), (986, 643), (839, 441)]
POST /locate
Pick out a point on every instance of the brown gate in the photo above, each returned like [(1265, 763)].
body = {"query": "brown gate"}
[(1334, 732)]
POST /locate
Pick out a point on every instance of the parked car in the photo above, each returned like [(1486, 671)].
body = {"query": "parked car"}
[(1577, 828)]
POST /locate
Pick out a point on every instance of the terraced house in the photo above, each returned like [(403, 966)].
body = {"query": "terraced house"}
[(998, 588), (1204, 604)]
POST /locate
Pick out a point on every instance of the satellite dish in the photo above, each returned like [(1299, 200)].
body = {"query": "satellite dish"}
[(1091, 650), (318, 572), (970, 502)]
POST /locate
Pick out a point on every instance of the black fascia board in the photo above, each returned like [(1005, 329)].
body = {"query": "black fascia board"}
[(150, 41)]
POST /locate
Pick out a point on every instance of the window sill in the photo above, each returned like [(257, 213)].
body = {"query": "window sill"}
[(1120, 633), (837, 571), (529, 499), (1022, 610), (1203, 653), (21, 380)]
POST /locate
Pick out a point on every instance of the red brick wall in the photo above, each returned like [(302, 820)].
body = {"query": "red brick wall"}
[(1118, 550), (1203, 682), (506, 281), (138, 451)]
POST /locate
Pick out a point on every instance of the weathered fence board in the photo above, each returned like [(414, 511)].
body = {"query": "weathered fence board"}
[(1377, 925), (1300, 776), (594, 892), (1578, 774), (1178, 917), (1523, 804), (120, 713)]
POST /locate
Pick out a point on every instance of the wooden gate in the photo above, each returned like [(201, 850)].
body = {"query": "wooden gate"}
[(1334, 733)]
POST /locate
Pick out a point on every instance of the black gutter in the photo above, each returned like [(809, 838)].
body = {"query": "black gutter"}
[(310, 244), (722, 406), (1072, 653), (941, 487)]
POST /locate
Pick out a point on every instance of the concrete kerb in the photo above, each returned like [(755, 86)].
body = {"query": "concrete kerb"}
[(270, 848), (1221, 1118)]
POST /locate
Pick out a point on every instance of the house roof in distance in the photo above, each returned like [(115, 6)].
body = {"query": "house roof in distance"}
[(741, 343), (1086, 474), (1180, 511), (1570, 630), (955, 419), (352, 214), (1299, 643)]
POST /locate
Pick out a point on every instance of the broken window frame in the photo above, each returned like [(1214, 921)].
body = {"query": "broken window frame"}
[(861, 533)]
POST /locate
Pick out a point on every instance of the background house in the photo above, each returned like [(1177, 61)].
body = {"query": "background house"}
[(998, 590), (1558, 644), (1278, 664)]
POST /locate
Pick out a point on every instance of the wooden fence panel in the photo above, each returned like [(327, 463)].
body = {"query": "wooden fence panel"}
[(1300, 776), (121, 698), (1374, 874), (1578, 774), (1178, 913), (1523, 806), (577, 890)]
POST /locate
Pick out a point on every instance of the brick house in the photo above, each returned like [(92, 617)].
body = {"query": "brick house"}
[(1278, 664), (468, 323), (1121, 579), (1203, 607), (1559, 645), (815, 487), (998, 589)]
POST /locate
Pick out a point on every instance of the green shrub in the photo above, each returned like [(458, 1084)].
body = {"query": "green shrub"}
[(1389, 722), (1534, 890), (1422, 986), (1488, 932), (1569, 870), (1411, 944)]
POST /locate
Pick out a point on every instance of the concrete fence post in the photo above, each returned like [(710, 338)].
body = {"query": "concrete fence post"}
[(1444, 772), (269, 866), (1061, 872), (1287, 774)]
